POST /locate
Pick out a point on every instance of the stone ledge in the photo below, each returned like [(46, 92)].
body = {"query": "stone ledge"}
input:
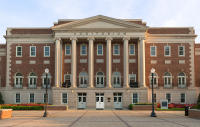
[(5, 113), (194, 113)]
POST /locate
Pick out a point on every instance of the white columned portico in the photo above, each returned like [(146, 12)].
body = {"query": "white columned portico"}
[(126, 62), (142, 62), (57, 62), (91, 61), (73, 63), (108, 62)]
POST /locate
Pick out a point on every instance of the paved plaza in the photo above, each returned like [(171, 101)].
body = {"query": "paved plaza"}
[(99, 118)]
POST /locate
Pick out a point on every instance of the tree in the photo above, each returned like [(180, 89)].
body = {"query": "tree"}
[(1, 99)]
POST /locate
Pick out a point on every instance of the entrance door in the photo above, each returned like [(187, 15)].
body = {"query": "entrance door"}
[(82, 100), (99, 100), (117, 100)]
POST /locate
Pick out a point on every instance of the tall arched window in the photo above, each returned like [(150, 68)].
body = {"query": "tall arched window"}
[(181, 80), (155, 80), (18, 80), (116, 77), (32, 80), (167, 80), (83, 79), (44, 81), (99, 79)]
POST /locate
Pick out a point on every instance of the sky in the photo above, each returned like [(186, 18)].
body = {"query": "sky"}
[(43, 13)]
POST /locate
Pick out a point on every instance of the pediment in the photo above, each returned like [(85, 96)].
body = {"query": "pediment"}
[(99, 22)]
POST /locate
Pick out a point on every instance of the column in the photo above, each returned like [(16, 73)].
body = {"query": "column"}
[(73, 63), (61, 61), (108, 62), (142, 62), (57, 62), (126, 62), (91, 61)]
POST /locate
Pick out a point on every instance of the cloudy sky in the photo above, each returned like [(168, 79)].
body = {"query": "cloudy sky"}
[(42, 13)]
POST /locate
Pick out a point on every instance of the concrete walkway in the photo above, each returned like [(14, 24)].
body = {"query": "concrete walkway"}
[(99, 118)]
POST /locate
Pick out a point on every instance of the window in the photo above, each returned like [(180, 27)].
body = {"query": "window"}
[(67, 81), (132, 49), (167, 50), (153, 50), (181, 80), (168, 97), (135, 98), (83, 79), (155, 80), (18, 80), (99, 80), (45, 98), (83, 49), (19, 51), (116, 80), (182, 97), (32, 51), (116, 49), (181, 51), (99, 49), (46, 51), (167, 79), (132, 81), (32, 80), (17, 98), (32, 98), (44, 80), (64, 98), (67, 49)]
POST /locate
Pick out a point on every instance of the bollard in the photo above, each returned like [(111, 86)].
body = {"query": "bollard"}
[(186, 110)]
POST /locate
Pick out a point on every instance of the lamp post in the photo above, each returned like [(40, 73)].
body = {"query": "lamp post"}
[(153, 114), (46, 94)]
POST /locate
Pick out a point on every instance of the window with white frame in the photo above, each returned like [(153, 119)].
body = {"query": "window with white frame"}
[(64, 98), (116, 49), (167, 50), (83, 49), (32, 80), (181, 50), (155, 79), (182, 97), (32, 51), (18, 51), (46, 81), (44, 97), (99, 49), (67, 49), (83, 79), (181, 79), (153, 50), (67, 81), (132, 80), (46, 51), (131, 49), (167, 79), (116, 79), (100, 79), (32, 98), (17, 98), (168, 97), (18, 80), (135, 98)]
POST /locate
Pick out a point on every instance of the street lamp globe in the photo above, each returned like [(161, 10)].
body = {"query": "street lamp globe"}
[(153, 70), (46, 70)]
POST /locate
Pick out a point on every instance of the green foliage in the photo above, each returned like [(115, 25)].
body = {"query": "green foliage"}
[(23, 107), (130, 107), (171, 109), (1, 99)]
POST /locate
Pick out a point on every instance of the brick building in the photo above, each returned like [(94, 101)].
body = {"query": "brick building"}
[(99, 62)]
